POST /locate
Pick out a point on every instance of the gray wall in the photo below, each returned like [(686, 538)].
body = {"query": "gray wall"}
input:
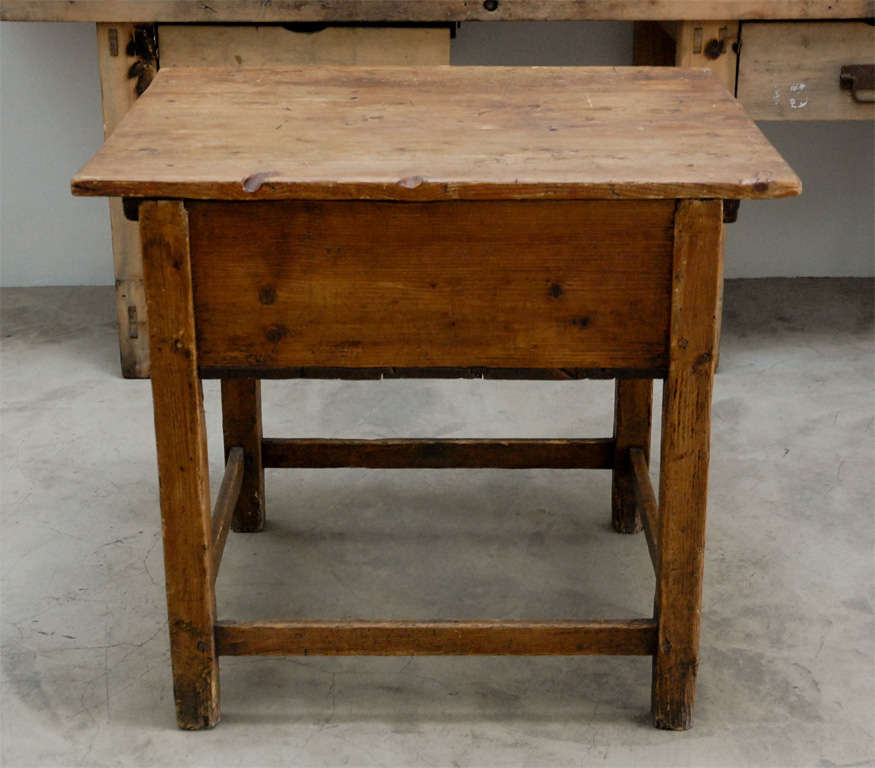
[(50, 124)]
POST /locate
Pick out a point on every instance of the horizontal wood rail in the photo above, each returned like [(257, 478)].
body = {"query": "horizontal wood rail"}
[(645, 501), (444, 372), (223, 510), (631, 637), (439, 454)]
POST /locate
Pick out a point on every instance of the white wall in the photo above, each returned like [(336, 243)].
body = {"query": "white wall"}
[(50, 124)]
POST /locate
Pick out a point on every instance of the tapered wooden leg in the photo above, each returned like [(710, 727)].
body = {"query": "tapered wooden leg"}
[(183, 470), (686, 414), (633, 402), (241, 424)]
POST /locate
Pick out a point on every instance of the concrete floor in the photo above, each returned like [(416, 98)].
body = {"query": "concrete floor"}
[(787, 675)]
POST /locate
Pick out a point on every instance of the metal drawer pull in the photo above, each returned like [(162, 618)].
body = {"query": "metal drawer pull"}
[(860, 80)]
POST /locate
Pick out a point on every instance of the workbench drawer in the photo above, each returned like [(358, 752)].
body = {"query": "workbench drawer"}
[(284, 285), (790, 70), (248, 45)]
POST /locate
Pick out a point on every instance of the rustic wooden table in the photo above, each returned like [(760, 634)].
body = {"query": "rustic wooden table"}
[(353, 222), (788, 71)]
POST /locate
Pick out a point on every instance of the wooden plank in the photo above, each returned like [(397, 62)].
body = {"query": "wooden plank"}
[(791, 71), (223, 510), (437, 133), (116, 56), (645, 502), (633, 637), (241, 426), (365, 284), (440, 454), (683, 486), (426, 10), (709, 44), (183, 469), (469, 372), (275, 46), (633, 407)]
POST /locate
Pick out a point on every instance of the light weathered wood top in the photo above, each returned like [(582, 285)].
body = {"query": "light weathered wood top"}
[(436, 133), (265, 11)]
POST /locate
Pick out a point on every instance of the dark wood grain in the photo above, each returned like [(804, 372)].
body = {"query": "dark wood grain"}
[(439, 454), (634, 637), (223, 510), (633, 406), (241, 426), (183, 469), (432, 372), (683, 482), (371, 284), (645, 503)]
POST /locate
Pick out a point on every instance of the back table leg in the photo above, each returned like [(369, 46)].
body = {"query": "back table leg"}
[(241, 425), (183, 470), (683, 487), (633, 402)]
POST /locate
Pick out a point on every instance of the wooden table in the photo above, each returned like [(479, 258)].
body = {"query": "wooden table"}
[(351, 222), (787, 71)]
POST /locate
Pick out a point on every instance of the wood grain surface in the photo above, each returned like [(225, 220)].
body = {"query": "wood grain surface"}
[(507, 284), (436, 133), (685, 449), (396, 453), (427, 10), (633, 637), (183, 469), (791, 71)]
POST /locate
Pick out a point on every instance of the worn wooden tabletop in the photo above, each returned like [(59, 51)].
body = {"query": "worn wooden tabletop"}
[(436, 133), (265, 11)]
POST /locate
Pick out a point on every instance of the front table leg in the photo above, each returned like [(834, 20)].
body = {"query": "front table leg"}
[(183, 470), (683, 486)]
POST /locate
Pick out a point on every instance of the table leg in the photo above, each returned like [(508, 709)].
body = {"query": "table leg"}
[(633, 400), (241, 425), (125, 69), (183, 469), (686, 413)]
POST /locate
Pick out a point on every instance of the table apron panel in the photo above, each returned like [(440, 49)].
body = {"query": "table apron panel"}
[(508, 284)]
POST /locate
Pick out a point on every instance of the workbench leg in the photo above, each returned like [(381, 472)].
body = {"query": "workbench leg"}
[(126, 67), (633, 400), (241, 425), (183, 470), (683, 486)]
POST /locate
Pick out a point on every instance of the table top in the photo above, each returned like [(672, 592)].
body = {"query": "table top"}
[(437, 133), (264, 11)]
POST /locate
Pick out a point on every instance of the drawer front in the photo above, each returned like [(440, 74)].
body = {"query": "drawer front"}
[(193, 45), (289, 284), (790, 71)]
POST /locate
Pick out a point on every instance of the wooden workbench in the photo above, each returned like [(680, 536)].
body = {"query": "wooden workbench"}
[(793, 51)]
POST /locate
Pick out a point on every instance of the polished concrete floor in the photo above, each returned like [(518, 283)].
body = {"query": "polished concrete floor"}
[(787, 675)]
